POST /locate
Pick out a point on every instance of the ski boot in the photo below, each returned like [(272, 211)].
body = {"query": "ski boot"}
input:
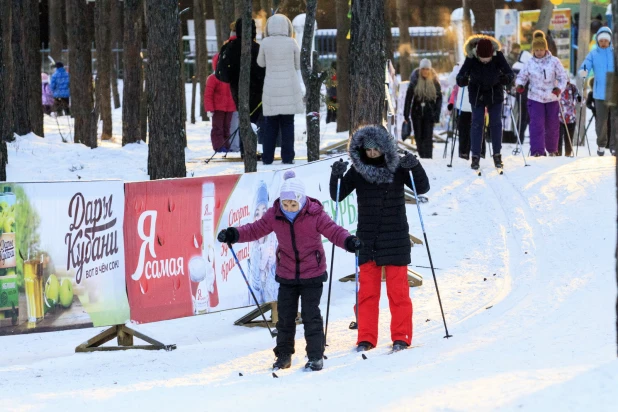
[(475, 163), (399, 345), (364, 347), (498, 161), (314, 364), (601, 151), (284, 361)]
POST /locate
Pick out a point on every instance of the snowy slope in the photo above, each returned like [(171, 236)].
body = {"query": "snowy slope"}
[(526, 274)]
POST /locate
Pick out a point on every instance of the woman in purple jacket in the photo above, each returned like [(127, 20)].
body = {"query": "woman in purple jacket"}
[(299, 222)]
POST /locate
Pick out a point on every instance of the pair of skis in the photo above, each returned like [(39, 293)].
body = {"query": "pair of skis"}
[(479, 172)]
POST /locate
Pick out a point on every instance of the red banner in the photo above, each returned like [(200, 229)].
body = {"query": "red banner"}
[(170, 246)]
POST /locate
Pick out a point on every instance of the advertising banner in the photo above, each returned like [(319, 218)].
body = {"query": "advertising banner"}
[(61, 256), (507, 28), (560, 28), (176, 268)]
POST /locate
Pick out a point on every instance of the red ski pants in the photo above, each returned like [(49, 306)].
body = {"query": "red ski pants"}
[(398, 291)]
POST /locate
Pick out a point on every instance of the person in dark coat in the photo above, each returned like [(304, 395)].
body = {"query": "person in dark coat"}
[(378, 175), (299, 222), (486, 73), (423, 104), (233, 48)]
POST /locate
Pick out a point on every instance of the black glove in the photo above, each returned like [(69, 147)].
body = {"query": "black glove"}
[(408, 161), (339, 168), (464, 82), (449, 107), (504, 80), (352, 244), (229, 235), (579, 99)]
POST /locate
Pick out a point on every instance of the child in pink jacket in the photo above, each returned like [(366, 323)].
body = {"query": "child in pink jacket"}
[(299, 222), (220, 107)]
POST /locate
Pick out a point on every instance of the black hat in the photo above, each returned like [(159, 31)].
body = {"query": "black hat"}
[(59, 65)]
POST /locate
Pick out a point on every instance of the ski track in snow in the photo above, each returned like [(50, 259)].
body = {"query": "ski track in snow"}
[(539, 335)]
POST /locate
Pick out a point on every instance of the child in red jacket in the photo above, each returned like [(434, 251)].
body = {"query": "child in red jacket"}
[(299, 222), (220, 107)]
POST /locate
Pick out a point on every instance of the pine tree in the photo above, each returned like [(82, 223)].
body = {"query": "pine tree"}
[(199, 18), (246, 131), (133, 76), (166, 155), (104, 65), (405, 42), (343, 66), (6, 129)]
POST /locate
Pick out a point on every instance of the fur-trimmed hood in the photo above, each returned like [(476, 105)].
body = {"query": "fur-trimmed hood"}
[(385, 143), (470, 46)]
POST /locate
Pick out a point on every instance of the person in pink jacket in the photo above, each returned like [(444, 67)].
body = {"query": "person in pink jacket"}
[(299, 222), (220, 107), (547, 80)]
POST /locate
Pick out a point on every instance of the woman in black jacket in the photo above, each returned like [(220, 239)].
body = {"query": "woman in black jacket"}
[(486, 73), (424, 103), (378, 175)]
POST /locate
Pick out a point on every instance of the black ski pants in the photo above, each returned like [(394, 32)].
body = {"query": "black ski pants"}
[(287, 304), (423, 134)]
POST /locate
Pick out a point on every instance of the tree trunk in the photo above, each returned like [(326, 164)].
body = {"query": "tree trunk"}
[(56, 29), (467, 18), (388, 35), (545, 17), (343, 67), (246, 131), (265, 5), (199, 17), (21, 123), (367, 63), (238, 5), (133, 82), (6, 129), (82, 107), (221, 36), (228, 15), (313, 79), (104, 66), (32, 58), (405, 42), (166, 154), (116, 42), (143, 105), (181, 80)]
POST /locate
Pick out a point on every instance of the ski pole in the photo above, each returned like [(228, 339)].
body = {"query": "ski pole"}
[(458, 120), (420, 216), (332, 264), (232, 137), (565, 126), (272, 334), (586, 134), (519, 142)]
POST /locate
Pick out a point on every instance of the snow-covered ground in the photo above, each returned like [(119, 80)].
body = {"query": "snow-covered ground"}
[(525, 264)]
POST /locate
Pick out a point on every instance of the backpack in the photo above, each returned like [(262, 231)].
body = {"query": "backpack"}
[(222, 71)]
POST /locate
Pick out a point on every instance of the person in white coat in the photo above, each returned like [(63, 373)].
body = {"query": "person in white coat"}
[(460, 101), (283, 92)]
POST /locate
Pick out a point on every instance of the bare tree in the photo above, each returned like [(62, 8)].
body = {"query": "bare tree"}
[(133, 80), (32, 57), (21, 123), (467, 18), (6, 129), (545, 17), (221, 35), (56, 29), (388, 34), (343, 74), (238, 4), (82, 107), (166, 155), (104, 65), (405, 42), (228, 15), (199, 18), (116, 42), (313, 79), (246, 131), (367, 75)]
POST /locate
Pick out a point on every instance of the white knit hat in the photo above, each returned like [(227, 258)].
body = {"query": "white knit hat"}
[(425, 64), (293, 188), (604, 35)]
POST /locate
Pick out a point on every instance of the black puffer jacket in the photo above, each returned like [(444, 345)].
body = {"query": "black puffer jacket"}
[(234, 48), (382, 221), (485, 87)]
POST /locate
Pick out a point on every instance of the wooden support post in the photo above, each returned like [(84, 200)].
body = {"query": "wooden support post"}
[(125, 341)]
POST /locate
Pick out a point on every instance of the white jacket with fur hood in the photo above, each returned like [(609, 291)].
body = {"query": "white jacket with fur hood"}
[(280, 55)]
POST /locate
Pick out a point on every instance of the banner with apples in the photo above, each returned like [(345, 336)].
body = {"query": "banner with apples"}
[(61, 256)]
